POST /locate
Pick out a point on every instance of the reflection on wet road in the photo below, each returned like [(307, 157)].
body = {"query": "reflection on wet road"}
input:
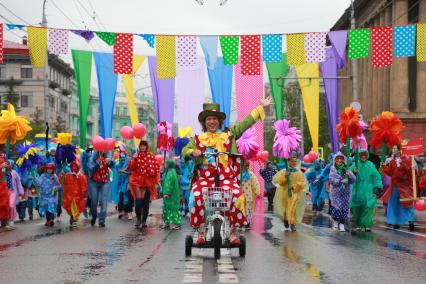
[(120, 253)]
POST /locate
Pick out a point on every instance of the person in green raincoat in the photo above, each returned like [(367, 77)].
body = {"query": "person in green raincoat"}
[(368, 181), (171, 197)]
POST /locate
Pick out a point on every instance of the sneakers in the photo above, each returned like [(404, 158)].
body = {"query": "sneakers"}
[(342, 227), (286, 224), (129, 216), (335, 225), (120, 214), (138, 223), (293, 228), (411, 226), (101, 225), (93, 221)]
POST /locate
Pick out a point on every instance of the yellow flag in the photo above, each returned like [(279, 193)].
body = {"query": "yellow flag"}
[(166, 56), (310, 94), (296, 49), (37, 45), (130, 90), (421, 42)]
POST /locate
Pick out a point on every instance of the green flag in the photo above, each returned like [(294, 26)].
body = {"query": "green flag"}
[(277, 69), (359, 43), (229, 46), (83, 72), (107, 37)]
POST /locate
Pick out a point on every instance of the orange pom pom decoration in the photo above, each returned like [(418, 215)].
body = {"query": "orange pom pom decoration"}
[(386, 128), (348, 126)]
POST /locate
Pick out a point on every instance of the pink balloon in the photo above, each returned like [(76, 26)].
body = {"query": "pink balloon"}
[(159, 159), (420, 205), (306, 159), (262, 156), (139, 130), (97, 142), (109, 144), (127, 132)]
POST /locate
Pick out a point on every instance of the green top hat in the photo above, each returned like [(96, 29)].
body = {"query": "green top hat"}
[(210, 109)]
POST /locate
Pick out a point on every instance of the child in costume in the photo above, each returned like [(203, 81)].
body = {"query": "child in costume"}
[(16, 190), (316, 185), (49, 186), (340, 180), (267, 175), (368, 183), (75, 192), (251, 188), (289, 201), (121, 182), (171, 197), (186, 170), (4, 196)]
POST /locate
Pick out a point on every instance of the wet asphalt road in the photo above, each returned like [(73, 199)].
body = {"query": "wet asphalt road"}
[(119, 253)]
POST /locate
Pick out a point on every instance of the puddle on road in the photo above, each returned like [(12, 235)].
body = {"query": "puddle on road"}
[(306, 266)]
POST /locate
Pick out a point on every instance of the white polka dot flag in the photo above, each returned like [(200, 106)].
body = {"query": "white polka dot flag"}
[(1, 43), (315, 47), (123, 54), (58, 41), (250, 55), (381, 46), (187, 50), (404, 40), (272, 46)]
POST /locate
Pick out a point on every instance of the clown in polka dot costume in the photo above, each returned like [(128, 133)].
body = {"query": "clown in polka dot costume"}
[(213, 138)]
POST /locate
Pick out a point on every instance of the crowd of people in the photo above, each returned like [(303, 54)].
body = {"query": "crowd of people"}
[(131, 179)]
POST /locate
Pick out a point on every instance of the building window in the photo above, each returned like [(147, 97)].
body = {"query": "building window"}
[(2, 71), (124, 111), (90, 129), (26, 99), (51, 101), (64, 107), (26, 71)]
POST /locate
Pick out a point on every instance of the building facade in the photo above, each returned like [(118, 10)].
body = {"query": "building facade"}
[(399, 88), (28, 83)]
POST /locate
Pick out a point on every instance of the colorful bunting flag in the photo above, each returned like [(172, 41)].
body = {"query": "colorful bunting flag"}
[(421, 42), (381, 46), (404, 40), (87, 35), (150, 39), (315, 47), (37, 45), (107, 37), (186, 50), (229, 46), (58, 41), (272, 48), (14, 26), (1, 43), (359, 43), (338, 40), (250, 55), (296, 49), (209, 46), (123, 54), (166, 56)]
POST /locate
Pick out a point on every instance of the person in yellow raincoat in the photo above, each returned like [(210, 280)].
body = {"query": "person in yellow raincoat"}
[(289, 201), (251, 188)]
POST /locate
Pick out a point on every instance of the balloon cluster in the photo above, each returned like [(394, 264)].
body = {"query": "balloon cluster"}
[(100, 144), (310, 157), (138, 131)]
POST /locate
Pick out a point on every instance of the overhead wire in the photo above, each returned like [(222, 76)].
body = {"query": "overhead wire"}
[(10, 11)]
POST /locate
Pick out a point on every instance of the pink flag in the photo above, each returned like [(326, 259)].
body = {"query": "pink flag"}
[(123, 54), (250, 55), (315, 47), (58, 41), (1, 43), (381, 46), (187, 50)]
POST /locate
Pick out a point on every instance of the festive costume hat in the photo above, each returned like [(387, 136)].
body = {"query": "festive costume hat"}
[(210, 109)]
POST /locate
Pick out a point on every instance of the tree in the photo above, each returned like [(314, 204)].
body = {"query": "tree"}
[(60, 125), (37, 124), (11, 96)]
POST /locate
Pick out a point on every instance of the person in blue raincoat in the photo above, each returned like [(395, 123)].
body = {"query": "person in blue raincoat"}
[(120, 183), (186, 170), (316, 185), (49, 186)]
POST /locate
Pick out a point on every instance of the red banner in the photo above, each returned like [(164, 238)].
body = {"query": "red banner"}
[(412, 147)]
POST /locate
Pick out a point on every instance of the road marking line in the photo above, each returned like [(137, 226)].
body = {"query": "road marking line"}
[(402, 231), (225, 268), (194, 267)]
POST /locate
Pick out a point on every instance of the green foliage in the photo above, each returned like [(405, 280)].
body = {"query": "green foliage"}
[(59, 125), (37, 124), (11, 96)]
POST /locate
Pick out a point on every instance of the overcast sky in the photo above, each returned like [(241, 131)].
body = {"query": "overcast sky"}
[(174, 17)]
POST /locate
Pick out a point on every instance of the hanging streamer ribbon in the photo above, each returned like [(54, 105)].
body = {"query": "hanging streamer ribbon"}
[(82, 61), (220, 78), (338, 41), (87, 35), (150, 39), (1, 43), (107, 37), (275, 70), (163, 92), (310, 94), (209, 46), (37, 45), (107, 84)]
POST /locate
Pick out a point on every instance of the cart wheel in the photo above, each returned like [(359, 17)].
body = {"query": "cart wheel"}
[(242, 247), (188, 245), (217, 240)]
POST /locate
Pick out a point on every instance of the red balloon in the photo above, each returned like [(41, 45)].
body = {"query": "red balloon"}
[(420, 205), (127, 132), (313, 156), (109, 144), (262, 156), (97, 143), (159, 159), (139, 130), (306, 159)]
